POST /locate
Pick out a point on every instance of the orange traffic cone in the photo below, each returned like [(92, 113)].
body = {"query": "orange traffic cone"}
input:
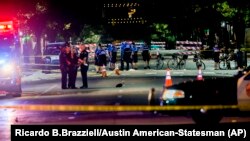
[(104, 72), (117, 71), (168, 80), (199, 76)]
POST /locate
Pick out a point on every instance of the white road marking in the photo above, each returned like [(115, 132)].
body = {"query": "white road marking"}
[(209, 72), (178, 72), (52, 87), (151, 73)]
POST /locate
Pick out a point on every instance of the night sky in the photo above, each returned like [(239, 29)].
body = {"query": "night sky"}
[(80, 12), (64, 9), (76, 10)]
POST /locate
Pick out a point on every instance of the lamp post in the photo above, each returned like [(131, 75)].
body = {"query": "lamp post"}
[(21, 41), (224, 30)]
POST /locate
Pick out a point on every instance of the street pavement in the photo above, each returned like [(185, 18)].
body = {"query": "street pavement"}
[(39, 75)]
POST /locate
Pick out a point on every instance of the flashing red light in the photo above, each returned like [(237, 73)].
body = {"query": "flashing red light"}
[(2, 26), (9, 26), (6, 26)]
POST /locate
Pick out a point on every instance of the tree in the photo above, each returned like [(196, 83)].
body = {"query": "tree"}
[(33, 21), (38, 24), (53, 31), (94, 34), (236, 13), (161, 32)]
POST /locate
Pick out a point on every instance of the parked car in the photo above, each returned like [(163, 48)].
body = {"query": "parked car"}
[(51, 56)]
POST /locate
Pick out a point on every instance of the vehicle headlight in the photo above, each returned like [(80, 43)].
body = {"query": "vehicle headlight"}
[(8, 68), (2, 61), (172, 94)]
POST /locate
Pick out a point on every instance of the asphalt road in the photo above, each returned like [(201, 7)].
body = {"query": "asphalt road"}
[(101, 91)]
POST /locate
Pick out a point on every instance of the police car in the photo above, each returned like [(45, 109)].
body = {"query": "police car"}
[(10, 76), (10, 72), (226, 94), (51, 56)]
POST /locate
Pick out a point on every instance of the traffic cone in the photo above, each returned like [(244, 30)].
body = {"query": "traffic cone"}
[(104, 72), (199, 76), (117, 71), (168, 80)]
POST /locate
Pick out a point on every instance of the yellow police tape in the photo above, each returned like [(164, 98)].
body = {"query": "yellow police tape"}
[(116, 108)]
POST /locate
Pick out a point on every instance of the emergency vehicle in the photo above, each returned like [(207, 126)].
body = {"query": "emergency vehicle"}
[(211, 98), (10, 70)]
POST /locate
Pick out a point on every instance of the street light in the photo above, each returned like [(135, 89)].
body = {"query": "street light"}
[(223, 24)]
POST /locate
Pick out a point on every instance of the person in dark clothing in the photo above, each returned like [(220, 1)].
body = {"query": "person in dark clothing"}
[(84, 64), (216, 57), (113, 56), (64, 67), (146, 55), (97, 67), (123, 44), (73, 68), (134, 55), (127, 55), (102, 58), (239, 55)]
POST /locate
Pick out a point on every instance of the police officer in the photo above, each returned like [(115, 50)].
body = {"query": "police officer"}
[(113, 56), (109, 48), (102, 57), (123, 44), (127, 55), (134, 55), (84, 64), (64, 66), (146, 55), (97, 50)]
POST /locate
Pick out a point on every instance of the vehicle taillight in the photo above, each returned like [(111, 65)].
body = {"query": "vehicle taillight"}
[(6, 26), (1, 26), (9, 26)]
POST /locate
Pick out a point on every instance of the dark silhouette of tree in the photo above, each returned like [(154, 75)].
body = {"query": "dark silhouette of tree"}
[(32, 20), (37, 24)]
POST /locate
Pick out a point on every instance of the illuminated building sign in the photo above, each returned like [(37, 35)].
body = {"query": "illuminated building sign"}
[(124, 13)]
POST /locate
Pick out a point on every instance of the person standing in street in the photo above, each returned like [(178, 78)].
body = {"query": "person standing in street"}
[(64, 66), (113, 56), (239, 59), (216, 57), (127, 56), (73, 68), (97, 67), (102, 58), (109, 49), (123, 44), (134, 55), (146, 55), (84, 65)]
